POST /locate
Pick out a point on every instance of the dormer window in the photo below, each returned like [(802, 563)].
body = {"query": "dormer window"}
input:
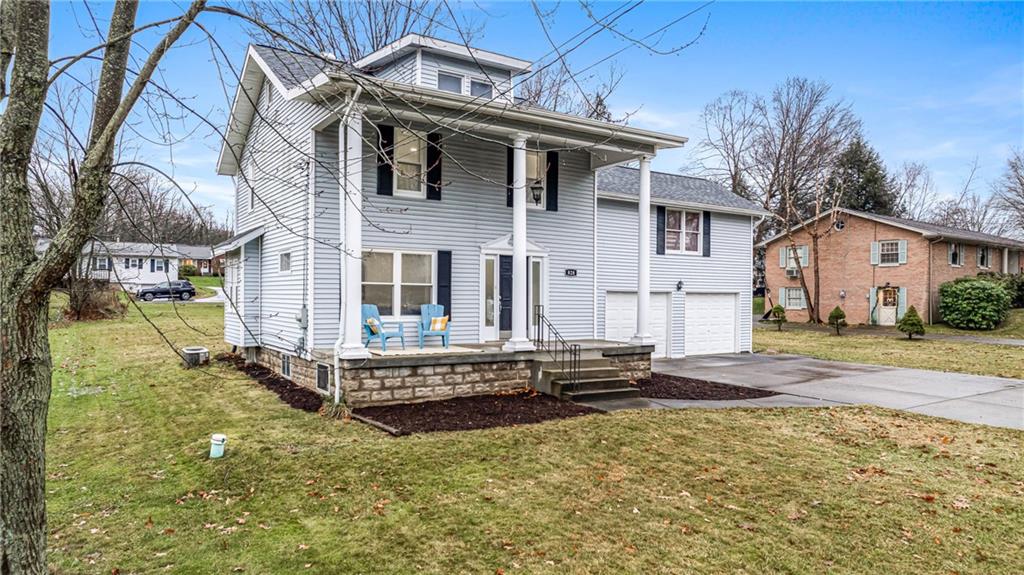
[(481, 89), (449, 83)]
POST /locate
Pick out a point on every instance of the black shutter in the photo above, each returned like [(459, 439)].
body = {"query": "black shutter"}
[(660, 241), (444, 281), (706, 228), (385, 160), (110, 264), (152, 265), (509, 175), (433, 166), (167, 266), (552, 182)]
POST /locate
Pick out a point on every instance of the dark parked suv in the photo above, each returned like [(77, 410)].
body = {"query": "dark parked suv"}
[(181, 289)]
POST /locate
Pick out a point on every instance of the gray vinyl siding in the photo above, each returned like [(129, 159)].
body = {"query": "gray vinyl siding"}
[(472, 212), (326, 293), (401, 70), (250, 292), (276, 156), (432, 63), (728, 269)]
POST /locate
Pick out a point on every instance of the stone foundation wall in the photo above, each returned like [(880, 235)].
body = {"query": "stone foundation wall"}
[(367, 384), (303, 370), (632, 366)]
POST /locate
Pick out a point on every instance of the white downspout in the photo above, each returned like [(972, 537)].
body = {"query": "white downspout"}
[(344, 166)]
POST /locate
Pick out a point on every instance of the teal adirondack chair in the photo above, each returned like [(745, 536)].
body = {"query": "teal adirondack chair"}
[(370, 311), (428, 311)]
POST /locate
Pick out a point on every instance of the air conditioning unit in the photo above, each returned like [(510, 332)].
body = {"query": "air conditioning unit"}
[(792, 273)]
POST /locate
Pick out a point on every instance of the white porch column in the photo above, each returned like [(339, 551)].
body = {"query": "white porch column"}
[(643, 276), (1006, 260), (520, 340), (351, 187)]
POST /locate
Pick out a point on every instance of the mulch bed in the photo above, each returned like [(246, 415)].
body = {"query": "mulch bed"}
[(291, 393), (662, 386), (473, 412)]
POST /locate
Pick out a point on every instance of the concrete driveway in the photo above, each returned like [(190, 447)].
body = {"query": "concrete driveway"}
[(971, 398)]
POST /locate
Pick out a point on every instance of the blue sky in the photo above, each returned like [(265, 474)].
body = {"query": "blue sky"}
[(938, 83)]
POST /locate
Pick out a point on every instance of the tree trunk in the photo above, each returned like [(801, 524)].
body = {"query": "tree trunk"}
[(25, 389), (817, 282)]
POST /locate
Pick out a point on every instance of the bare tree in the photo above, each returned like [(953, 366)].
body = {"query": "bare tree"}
[(1009, 190), (730, 128), (27, 279), (970, 210), (915, 190)]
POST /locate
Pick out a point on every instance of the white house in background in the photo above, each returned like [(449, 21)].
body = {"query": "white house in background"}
[(414, 178), (134, 264)]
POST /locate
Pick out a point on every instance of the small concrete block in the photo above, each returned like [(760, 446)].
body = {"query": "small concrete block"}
[(425, 370), (393, 382), (357, 397), (463, 368), (453, 378), (482, 387), (434, 380), (370, 384), (461, 390), (438, 369), (380, 395), (444, 391), (403, 371), (415, 381), (402, 393), (424, 392), (473, 377)]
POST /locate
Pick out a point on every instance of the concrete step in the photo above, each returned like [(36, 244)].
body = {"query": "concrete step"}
[(584, 363), (596, 372), (601, 394), (561, 387)]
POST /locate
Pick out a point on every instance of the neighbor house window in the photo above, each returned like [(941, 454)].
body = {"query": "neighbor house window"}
[(682, 231), (398, 283), (285, 262), (481, 89), (956, 254), (889, 252), (789, 256), (984, 257), (323, 376), (410, 163), (99, 264), (536, 174), (158, 265), (127, 263), (449, 83), (286, 365), (795, 298)]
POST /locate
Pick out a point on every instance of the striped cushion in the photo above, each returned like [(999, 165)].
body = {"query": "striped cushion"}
[(374, 325), (438, 323)]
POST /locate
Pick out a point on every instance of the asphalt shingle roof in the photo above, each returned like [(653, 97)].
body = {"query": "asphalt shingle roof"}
[(621, 180), (292, 68), (947, 232)]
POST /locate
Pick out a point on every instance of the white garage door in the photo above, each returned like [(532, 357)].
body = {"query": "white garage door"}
[(620, 319), (710, 323)]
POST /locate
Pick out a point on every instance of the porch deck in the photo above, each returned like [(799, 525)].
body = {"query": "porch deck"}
[(476, 353)]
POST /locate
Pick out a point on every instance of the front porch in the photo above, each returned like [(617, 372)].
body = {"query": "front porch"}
[(605, 368)]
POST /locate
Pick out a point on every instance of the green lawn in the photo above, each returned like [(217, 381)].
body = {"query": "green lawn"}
[(851, 490), (758, 307), (1013, 327), (898, 351), (204, 284)]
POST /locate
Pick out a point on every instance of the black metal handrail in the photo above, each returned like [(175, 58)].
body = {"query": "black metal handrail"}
[(565, 354)]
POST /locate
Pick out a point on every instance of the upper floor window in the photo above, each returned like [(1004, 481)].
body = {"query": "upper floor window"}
[(449, 83), (410, 163), (788, 257), (956, 254), (984, 257), (682, 231), (158, 265), (889, 252), (481, 89)]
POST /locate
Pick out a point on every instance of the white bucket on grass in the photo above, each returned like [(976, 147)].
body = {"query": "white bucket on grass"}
[(217, 441)]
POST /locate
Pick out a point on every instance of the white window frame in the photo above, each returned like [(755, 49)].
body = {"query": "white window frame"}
[(316, 380), (286, 365), (988, 257), (803, 298), (882, 252), (100, 264), (541, 164), (284, 262), (158, 265), (483, 82), (421, 149), (791, 256), (682, 232), (959, 249), (461, 78), (396, 279)]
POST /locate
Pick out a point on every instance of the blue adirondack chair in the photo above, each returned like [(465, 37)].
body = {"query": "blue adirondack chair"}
[(370, 311), (429, 311)]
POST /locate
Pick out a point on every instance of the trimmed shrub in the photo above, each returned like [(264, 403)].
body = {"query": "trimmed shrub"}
[(778, 316), (973, 303), (911, 323), (837, 319), (186, 270)]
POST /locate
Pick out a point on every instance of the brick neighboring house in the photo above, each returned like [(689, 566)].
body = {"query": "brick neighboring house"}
[(875, 267)]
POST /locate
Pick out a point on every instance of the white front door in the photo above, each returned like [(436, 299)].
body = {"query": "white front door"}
[(888, 302), (710, 322), (620, 319)]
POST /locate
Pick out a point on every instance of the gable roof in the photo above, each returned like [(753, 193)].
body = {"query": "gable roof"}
[(621, 182), (926, 229), (411, 42)]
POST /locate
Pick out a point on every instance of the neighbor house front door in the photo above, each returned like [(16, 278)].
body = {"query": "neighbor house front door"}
[(888, 304)]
